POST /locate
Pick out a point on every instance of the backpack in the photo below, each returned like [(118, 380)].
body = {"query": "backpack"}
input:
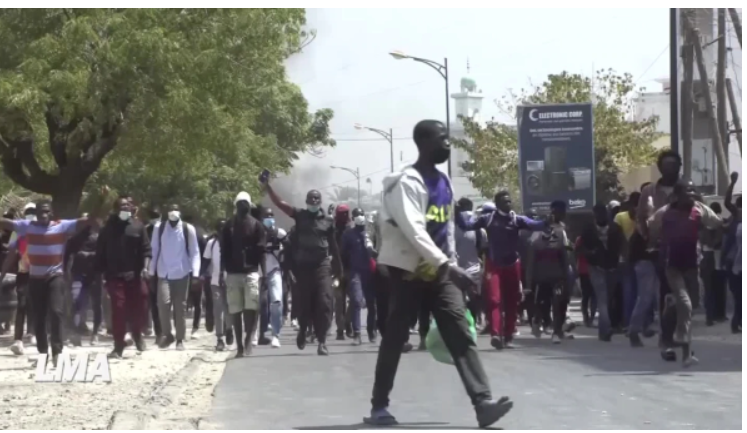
[(161, 228)]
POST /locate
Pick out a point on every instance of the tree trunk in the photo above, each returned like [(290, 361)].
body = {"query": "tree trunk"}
[(66, 200)]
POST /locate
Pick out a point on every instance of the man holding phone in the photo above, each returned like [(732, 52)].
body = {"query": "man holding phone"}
[(316, 260)]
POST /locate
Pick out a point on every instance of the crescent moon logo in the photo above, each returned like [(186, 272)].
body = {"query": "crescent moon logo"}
[(533, 115)]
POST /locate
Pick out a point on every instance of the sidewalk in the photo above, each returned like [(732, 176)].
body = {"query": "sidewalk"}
[(136, 383)]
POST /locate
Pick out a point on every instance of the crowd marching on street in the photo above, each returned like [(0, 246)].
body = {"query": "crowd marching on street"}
[(640, 266)]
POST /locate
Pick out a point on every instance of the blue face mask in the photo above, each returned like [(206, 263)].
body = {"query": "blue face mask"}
[(269, 222), (312, 208)]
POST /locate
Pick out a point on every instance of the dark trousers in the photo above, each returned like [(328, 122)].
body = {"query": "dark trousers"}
[(540, 307), (48, 300), (153, 305), (196, 289), (588, 299), (446, 302), (720, 278), (616, 306), (315, 298), (551, 305), (24, 312), (422, 317), (264, 307), (129, 302), (735, 286), (382, 290), (87, 287)]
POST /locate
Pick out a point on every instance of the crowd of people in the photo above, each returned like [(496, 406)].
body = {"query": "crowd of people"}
[(421, 257)]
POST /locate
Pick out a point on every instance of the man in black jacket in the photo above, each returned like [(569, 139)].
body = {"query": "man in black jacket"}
[(80, 259), (123, 254), (601, 243)]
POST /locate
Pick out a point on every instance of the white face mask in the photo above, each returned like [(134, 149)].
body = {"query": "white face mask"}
[(174, 215), (124, 215), (359, 220), (30, 217)]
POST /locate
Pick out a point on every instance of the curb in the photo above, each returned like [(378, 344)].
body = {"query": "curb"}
[(161, 398)]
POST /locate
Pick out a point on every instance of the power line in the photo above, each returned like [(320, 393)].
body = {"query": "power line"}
[(651, 65), (378, 92), (369, 139)]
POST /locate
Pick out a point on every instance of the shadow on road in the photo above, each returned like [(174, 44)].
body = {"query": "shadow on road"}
[(718, 355), (400, 426)]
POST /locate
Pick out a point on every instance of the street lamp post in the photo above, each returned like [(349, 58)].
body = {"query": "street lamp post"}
[(443, 70), (387, 135), (357, 174)]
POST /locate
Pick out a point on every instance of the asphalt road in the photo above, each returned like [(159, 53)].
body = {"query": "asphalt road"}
[(580, 384)]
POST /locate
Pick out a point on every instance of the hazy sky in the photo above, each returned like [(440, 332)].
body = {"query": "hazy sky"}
[(348, 69)]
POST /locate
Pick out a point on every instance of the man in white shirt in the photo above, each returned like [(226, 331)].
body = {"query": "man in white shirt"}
[(218, 285), (176, 259)]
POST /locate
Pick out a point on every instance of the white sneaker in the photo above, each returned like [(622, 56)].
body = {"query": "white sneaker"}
[(294, 324), (195, 334), (255, 343), (32, 340), (128, 340), (275, 343), (17, 347), (555, 339)]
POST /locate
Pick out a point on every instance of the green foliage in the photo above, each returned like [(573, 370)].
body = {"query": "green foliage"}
[(620, 142), (191, 103)]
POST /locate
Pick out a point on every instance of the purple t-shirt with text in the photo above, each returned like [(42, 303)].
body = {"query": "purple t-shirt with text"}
[(438, 213)]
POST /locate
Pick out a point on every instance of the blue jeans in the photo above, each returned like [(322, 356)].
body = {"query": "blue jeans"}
[(360, 291), (648, 292), (604, 281), (275, 294)]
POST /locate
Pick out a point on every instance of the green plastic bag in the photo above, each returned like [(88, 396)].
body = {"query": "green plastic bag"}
[(436, 346)]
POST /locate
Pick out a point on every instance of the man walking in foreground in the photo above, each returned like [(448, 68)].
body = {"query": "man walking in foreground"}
[(177, 258), (123, 255), (418, 248), (243, 244)]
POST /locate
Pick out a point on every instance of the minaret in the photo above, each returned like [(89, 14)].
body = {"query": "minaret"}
[(468, 102)]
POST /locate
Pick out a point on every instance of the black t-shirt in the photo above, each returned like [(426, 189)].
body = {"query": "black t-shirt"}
[(313, 233), (243, 243)]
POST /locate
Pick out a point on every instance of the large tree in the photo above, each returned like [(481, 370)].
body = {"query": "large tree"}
[(183, 99), (621, 142)]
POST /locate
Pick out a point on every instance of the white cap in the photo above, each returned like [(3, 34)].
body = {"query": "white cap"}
[(243, 196), (613, 204), (29, 206)]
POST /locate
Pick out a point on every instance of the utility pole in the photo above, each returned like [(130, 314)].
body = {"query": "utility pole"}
[(703, 72), (722, 178), (736, 21), (734, 113), (686, 115)]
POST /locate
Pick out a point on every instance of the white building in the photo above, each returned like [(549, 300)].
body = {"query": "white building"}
[(468, 104)]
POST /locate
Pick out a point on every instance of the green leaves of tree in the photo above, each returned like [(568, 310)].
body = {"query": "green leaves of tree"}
[(188, 101), (621, 142)]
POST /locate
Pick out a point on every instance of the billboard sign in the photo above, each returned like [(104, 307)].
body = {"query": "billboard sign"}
[(556, 155)]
